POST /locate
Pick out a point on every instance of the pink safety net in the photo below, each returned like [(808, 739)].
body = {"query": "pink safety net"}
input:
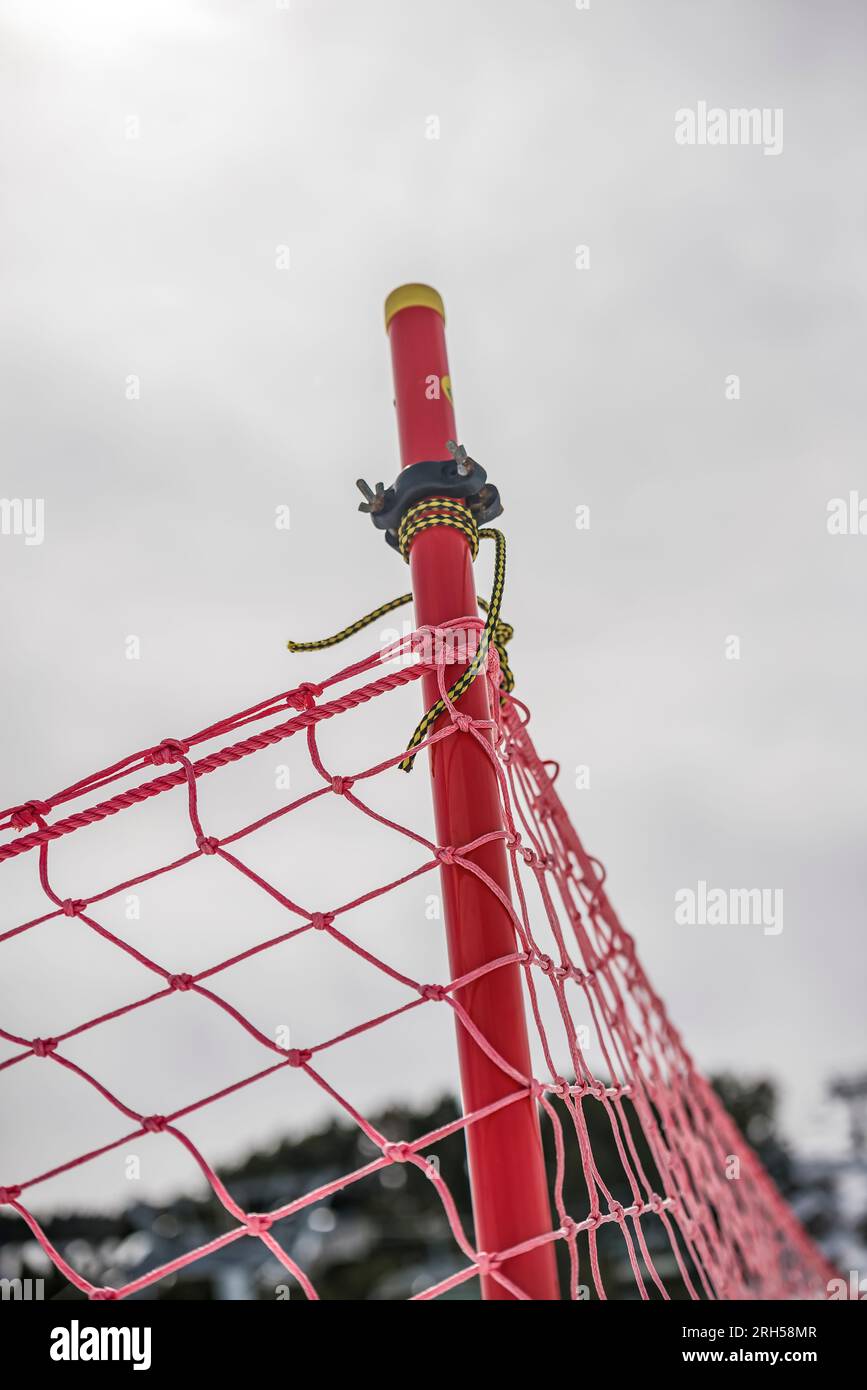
[(729, 1239)]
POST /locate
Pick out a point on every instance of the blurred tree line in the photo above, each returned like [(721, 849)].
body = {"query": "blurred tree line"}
[(387, 1237)]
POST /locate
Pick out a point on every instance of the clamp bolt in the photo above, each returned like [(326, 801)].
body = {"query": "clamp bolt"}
[(465, 465), (374, 501)]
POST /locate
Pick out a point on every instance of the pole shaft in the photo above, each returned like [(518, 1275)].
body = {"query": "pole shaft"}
[(507, 1169)]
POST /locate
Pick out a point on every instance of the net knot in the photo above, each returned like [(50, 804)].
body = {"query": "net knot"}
[(257, 1225), (9, 1194), (207, 844), (594, 1221), (560, 1086), (341, 785), (181, 982), (170, 750), (486, 1264), (305, 696), (436, 992), (71, 907), (463, 722), (321, 921), (655, 1203), (298, 1056), (43, 1047), (446, 854), (545, 963), (102, 1295), (154, 1124), (28, 814), (529, 856), (568, 1228), (397, 1153), (598, 1090), (617, 1211)]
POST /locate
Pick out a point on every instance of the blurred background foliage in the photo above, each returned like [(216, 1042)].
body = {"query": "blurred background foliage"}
[(386, 1236)]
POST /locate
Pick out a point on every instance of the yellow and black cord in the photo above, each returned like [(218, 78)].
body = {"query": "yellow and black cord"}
[(442, 511), (350, 631)]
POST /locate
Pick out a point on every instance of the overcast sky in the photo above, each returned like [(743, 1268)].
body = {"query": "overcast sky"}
[(155, 157)]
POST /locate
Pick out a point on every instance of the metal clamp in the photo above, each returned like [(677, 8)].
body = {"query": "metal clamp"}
[(459, 476)]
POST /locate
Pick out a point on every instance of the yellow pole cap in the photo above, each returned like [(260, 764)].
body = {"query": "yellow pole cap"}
[(412, 297)]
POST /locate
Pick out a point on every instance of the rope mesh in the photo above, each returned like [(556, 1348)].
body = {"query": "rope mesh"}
[(728, 1239)]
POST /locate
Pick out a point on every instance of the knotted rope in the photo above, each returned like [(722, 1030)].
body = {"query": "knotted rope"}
[(442, 511)]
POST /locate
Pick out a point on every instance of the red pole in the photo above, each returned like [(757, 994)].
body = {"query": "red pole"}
[(507, 1169)]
